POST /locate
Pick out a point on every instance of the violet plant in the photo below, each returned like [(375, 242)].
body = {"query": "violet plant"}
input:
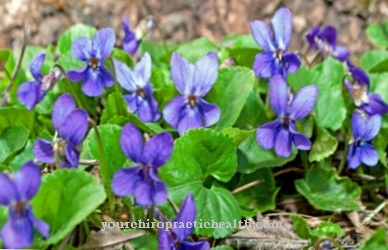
[(145, 127)]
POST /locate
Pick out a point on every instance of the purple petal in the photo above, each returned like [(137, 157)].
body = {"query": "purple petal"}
[(127, 78), (77, 75), (27, 180), (301, 142), (148, 110), (358, 125), (265, 65), (311, 37), (18, 232), (372, 127), (42, 227), (329, 33), (157, 151), (341, 53), (125, 181), (143, 67), (265, 135), (8, 191), (44, 151), (209, 111), (103, 43), (82, 49), (205, 74), (186, 214), (200, 245), (74, 127), (353, 159), (144, 193), (130, 44), (376, 105), (359, 76), (262, 35), (132, 142), (282, 25), (278, 95), (303, 102), (36, 65), (72, 156), (191, 118), (63, 106), (182, 73), (292, 62), (165, 242), (368, 154), (173, 111), (159, 188), (283, 143), (29, 94), (96, 81)]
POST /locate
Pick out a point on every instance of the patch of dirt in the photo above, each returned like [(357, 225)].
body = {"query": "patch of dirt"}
[(184, 20)]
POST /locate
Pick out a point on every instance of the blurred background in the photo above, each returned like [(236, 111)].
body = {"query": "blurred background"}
[(184, 20)]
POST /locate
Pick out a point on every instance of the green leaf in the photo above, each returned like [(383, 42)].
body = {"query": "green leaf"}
[(206, 155), (68, 37), (195, 50), (329, 108), (159, 55), (117, 107), (381, 144), (375, 61), (12, 139), (330, 229), (229, 82), (259, 198), (114, 156), (224, 247), (324, 145), (378, 33), (253, 113), (377, 241), (145, 242), (325, 191), (66, 197), (237, 135), (122, 56), (252, 157), (11, 116), (22, 157), (302, 229)]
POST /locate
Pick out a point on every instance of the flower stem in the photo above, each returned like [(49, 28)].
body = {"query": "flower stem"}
[(343, 160), (303, 154), (104, 167), (246, 186), (72, 90), (117, 88), (56, 148)]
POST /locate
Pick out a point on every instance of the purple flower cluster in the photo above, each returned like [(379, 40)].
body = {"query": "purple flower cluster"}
[(175, 237), (31, 93), (275, 59), (71, 124), (15, 193), (142, 179)]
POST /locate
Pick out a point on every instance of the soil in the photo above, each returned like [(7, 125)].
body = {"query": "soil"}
[(183, 20)]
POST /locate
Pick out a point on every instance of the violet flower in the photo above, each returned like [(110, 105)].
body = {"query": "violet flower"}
[(71, 124), (140, 99), (193, 82), (361, 149), (281, 133), (174, 239), (371, 103), (130, 41), (325, 40), (94, 75), (141, 179), (274, 60), (31, 93), (15, 193)]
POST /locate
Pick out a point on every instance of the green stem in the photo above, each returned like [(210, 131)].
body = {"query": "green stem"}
[(104, 168), (304, 161), (163, 39), (150, 214), (343, 160), (87, 229), (117, 88), (72, 90)]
